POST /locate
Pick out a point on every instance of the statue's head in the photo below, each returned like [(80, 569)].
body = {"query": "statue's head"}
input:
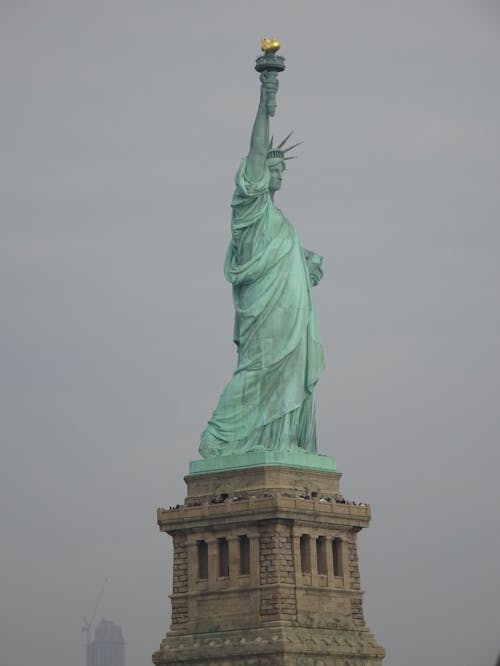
[(276, 162), (276, 166)]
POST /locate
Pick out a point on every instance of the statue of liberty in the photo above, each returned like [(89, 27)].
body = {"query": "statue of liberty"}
[(268, 405)]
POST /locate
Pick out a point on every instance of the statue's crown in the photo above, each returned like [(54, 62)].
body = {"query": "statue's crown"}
[(278, 152)]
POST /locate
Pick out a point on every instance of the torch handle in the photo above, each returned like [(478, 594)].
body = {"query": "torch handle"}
[(271, 106), (271, 96)]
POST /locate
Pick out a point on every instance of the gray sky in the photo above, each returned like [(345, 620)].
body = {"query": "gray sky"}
[(122, 123)]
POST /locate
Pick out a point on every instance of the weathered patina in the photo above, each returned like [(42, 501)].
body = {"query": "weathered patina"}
[(268, 405)]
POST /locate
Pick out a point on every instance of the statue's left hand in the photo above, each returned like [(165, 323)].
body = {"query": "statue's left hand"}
[(269, 88)]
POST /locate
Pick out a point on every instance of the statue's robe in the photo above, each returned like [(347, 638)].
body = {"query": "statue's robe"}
[(268, 404)]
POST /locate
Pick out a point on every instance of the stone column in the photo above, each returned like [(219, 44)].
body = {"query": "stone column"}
[(329, 561), (192, 564), (254, 559), (296, 557), (234, 560), (213, 563), (314, 558)]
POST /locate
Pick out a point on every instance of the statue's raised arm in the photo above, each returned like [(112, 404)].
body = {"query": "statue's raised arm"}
[(259, 142)]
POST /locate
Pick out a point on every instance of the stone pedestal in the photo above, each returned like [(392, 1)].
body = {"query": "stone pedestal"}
[(266, 570)]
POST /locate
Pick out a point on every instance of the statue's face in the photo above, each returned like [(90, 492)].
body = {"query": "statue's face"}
[(276, 175)]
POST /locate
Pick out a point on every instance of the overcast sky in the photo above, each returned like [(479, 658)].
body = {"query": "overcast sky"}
[(122, 123)]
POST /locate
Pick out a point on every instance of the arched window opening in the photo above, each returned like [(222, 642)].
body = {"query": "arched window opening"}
[(338, 567), (202, 560), (244, 555), (305, 553), (223, 558), (321, 555)]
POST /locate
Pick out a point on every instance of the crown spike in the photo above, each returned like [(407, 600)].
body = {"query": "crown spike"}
[(270, 146), (285, 140), (292, 147)]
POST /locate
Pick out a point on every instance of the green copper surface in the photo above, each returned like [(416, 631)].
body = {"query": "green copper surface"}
[(259, 458), (268, 405)]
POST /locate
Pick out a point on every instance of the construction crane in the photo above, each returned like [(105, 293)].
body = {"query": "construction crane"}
[(88, 624)]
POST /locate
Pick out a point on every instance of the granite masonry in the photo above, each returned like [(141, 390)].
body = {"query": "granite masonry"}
[(266, 572)]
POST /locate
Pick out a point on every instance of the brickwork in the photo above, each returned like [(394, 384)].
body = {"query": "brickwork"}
[(273, 647), (276, 568), (355, 581), (357, 612), (353, 563), (285, 549), (180, 580), (180, 611), (268, 557), (275, 610)]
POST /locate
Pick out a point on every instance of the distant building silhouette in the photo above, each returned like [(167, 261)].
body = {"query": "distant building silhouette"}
[(108, 646)]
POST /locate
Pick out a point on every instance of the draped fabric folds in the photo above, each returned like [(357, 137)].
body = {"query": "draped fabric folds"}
[(268, 404)]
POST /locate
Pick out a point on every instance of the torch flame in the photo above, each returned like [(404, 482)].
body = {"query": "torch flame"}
[(269, 45)]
